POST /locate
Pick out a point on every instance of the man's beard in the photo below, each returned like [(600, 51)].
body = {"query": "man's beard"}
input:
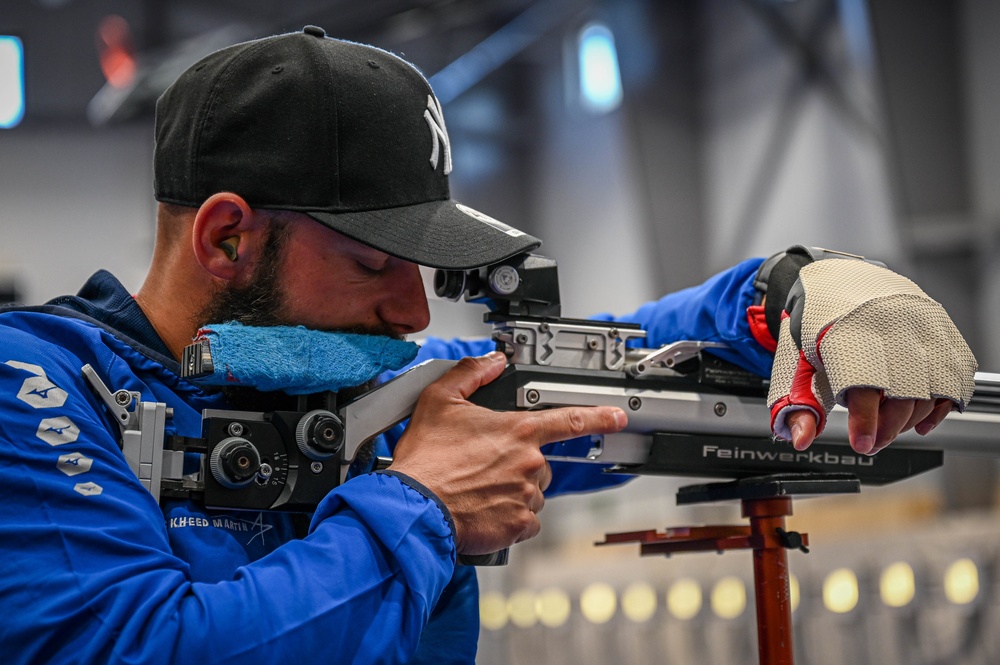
[(260, 303)]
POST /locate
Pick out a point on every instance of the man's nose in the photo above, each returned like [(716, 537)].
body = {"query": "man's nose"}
[(406, 310)]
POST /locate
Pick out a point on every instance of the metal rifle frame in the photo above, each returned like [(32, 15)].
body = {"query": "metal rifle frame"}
[(690, 414)]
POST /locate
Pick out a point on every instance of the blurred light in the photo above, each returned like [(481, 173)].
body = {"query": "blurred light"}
[(840, 591), (521, 608), (729, 597), (793, 592), (480, 111), (684, 599), (115, 51), (856, 28), (480, 159), (493, 610), (552, 607), (600, 80), (473, 66), (961, 582), (598, 603), (897, 585), (639, 602), (11, 82)]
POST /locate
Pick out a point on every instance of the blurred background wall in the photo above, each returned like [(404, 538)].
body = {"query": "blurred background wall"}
[(710, 131)]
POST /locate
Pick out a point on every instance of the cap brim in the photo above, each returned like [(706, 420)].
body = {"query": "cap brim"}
[(438, 234)]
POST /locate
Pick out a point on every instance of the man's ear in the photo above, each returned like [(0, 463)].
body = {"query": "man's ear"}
[(225, 236)]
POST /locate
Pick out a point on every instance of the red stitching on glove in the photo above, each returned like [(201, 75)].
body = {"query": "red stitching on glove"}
[(759, 329), (801, 394)]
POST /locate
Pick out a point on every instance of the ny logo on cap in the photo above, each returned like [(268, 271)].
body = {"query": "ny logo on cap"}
[(439, 134)]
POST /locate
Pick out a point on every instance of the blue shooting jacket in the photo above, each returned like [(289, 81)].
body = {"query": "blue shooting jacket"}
[(93, 570)]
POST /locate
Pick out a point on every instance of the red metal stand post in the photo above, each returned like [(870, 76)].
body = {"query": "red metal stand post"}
[(767, 537), (766, 501), (772, 592)]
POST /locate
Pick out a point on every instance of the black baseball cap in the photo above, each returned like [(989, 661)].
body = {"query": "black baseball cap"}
[(347, 133)]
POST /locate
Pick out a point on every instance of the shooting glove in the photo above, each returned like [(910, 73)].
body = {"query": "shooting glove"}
[(847, 322)]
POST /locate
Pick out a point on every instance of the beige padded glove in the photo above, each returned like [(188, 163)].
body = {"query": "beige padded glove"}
[(848, 323)]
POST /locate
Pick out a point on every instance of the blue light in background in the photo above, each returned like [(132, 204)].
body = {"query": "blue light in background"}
[(600, 80), (11, 82)]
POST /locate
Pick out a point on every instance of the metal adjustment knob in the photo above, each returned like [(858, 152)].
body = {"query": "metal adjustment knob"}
[(234, 462), (449, 284), (320, 435), (791, 540), (504, 280)]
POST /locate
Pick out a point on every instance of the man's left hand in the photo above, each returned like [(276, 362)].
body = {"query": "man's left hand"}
[(859, 335), (873, 421)]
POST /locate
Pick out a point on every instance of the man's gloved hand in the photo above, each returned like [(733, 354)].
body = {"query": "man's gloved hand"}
[(858, 334)]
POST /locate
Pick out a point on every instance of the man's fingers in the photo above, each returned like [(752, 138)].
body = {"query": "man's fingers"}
[(470, 374), (893, 414), (545, 476), (536, 502), (942, 408), (862, 418), (802, 424), (570, 422), (532, 530), (921, 409)]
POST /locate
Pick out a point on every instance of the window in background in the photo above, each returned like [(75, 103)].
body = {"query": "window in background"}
[(600, 79), (11, 81)]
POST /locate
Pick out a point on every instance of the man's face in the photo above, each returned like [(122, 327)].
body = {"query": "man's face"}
[(313, 276)]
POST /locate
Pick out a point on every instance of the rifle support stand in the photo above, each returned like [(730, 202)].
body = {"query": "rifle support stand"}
[(766, 501)]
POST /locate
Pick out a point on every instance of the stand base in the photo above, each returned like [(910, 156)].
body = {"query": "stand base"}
[(766, 501)]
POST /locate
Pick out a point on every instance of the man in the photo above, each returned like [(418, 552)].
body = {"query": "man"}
[(301, 180)]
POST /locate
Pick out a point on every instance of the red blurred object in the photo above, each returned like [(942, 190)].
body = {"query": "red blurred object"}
[(116, 50)]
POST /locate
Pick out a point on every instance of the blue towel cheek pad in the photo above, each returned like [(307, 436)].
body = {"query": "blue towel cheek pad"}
[(298, 360)]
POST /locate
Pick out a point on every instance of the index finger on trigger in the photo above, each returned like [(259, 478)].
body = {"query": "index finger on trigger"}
[(569, 422)]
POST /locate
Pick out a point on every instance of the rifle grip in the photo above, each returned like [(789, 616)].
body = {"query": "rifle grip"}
[(493, 559)]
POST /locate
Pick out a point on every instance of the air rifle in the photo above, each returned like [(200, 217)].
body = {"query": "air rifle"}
[(690, 412)]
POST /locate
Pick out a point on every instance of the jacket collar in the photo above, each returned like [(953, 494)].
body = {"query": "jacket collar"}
[(107, 302)]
